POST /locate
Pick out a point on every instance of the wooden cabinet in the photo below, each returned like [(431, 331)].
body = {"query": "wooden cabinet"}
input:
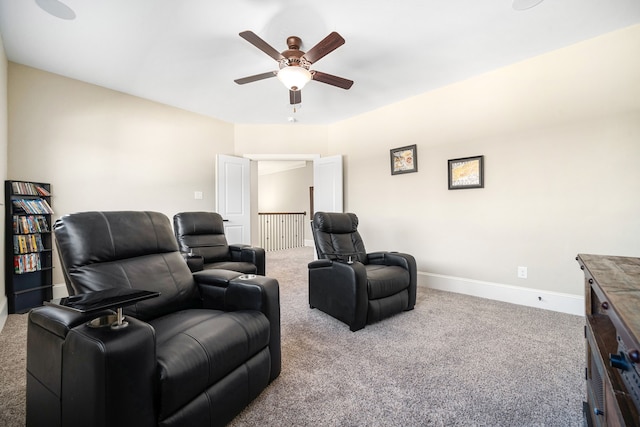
[(612, 300), (28, 239)]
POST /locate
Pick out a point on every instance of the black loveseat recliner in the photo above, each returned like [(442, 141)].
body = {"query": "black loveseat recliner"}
[(194, 356), (352, 285), (204, 245)]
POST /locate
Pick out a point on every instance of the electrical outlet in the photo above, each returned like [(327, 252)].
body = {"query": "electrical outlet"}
[(197, 195), (522, 272)]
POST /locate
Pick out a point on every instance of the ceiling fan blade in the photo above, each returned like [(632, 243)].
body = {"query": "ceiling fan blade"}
[(253, 38), (326, 46), (295, 97), (331, 80), (256, 77)]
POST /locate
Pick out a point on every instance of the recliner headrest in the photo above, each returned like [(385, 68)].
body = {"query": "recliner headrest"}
[(121, 235), (335, 222), (195, 223)]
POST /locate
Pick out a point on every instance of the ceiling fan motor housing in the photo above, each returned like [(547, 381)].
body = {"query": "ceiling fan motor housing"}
[(293, 57), (294, 42)]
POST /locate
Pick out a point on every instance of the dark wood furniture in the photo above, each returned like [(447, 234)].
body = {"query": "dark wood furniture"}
[(612, 331), (28, 250)]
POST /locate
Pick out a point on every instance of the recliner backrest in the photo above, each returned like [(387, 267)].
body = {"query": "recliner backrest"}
[(336, 237), (101, 250), (202, 233)]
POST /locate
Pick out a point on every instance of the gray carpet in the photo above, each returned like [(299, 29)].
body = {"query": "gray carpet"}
[(13, 363), (454, 360)]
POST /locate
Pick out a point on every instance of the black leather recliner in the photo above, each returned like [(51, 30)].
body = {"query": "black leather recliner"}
[(352, 285), (202, 241), (194, 356)]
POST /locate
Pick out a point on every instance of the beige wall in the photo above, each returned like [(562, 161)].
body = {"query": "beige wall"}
[(104, 150), (280, 139), (286, 191), (3, 171), (561, 138), (560, 134)]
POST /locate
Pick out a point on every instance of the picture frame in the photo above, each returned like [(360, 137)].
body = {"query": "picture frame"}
[(404, 159), (466, 172)]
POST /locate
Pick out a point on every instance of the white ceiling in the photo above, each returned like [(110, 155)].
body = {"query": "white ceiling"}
[(186, 53)]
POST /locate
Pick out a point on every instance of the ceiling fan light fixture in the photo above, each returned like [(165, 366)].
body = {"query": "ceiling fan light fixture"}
[(294, 77), (525, 4)]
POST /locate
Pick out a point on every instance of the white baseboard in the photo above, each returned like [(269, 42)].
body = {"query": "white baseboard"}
[(4, 311), (549, 300), (60, 290), (310, 243)]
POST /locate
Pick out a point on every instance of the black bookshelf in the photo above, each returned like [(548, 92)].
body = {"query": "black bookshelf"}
[(28, 240)]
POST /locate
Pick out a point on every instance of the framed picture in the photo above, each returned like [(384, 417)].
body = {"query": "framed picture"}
[(467, 172), (404, 160)]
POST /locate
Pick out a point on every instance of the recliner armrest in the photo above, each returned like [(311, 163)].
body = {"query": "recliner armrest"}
[(406, 261), (108, 374), (347, 274), (194, 262), (236, 249), (341, 286), (47, 330), (263, 294), (251, 254), (345, 257), (325, 262), (59, 321), (213, 285), (229, 291), (320, 263)]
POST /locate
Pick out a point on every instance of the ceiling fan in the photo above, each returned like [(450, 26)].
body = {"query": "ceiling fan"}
[(294, 64)]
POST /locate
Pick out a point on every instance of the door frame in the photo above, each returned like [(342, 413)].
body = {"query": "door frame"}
[(275, 157)]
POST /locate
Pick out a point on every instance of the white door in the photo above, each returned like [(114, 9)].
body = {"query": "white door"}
[(233, 197), (327, 184)]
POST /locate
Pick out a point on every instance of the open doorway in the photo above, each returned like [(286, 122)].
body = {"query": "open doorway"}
[(327, 183), (284, 202)]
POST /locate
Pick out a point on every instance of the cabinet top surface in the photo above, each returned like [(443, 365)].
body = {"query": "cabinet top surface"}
[(619, 280), (616, 273)]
